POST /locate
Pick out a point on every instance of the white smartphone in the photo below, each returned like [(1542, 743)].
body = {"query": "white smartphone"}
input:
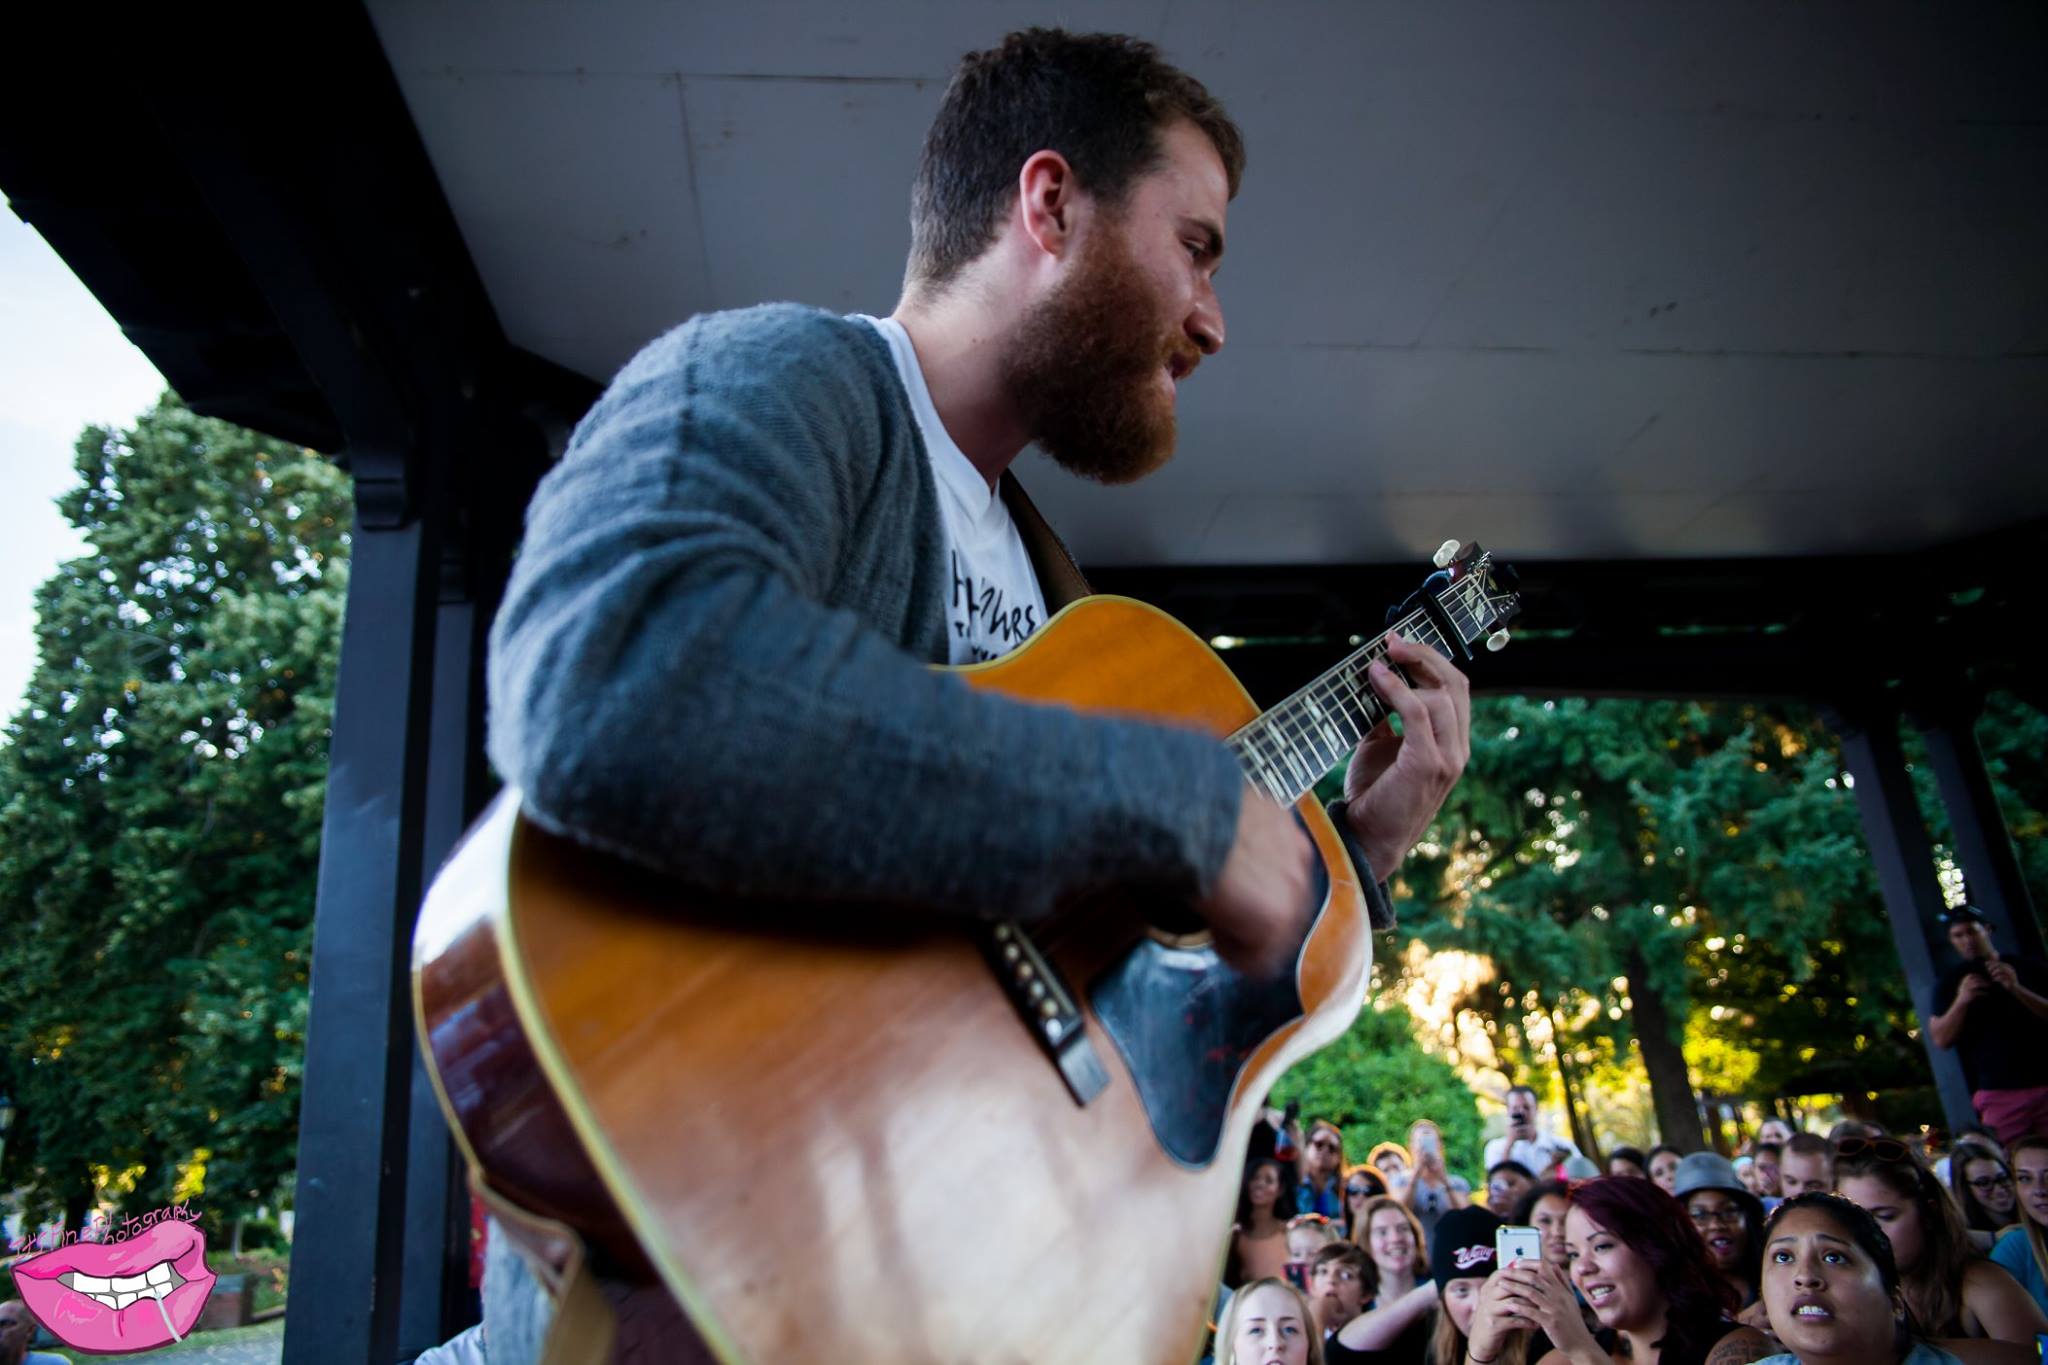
[(1512, 1242)]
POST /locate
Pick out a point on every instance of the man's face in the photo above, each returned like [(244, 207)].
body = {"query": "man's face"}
[(1804, 1173), (1777, 1132), (1970, 940), (1521, 1115), (1766, 1167), (1095, 366), (1337, 1291)]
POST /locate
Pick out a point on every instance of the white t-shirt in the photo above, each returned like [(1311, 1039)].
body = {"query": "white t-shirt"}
[(1539, 1156), (994, 601)]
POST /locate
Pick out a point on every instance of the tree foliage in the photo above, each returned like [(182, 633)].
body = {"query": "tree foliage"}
[(1635, 861), (160, 805), (1376, 1080)]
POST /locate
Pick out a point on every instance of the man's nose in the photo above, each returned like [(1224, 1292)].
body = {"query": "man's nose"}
[(1205, 322)]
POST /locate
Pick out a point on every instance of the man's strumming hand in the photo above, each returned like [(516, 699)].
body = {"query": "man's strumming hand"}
[(1259, 908)]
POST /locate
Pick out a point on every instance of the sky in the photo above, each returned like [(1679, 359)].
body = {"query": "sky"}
[(63, 365)]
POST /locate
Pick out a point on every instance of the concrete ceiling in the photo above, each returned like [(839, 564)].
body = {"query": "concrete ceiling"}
[(1576, 279)]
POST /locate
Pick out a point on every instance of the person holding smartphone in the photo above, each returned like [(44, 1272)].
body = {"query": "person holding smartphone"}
[(1432, 1191)]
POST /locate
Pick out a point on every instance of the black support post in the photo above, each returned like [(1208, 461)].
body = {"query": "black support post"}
[(1983, 847), (435, 1299), (1904, 855), (353, 1123)]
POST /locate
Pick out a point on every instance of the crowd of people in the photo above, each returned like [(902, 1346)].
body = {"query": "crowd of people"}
[(1807, 1249)]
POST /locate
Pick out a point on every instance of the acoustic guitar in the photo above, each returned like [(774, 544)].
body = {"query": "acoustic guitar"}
[(933, 1140)]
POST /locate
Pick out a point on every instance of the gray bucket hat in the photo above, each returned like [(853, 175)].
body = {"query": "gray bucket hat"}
[(1705, 1171)]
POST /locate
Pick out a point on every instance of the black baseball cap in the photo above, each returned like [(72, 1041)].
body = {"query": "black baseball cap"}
[(1962, 914)]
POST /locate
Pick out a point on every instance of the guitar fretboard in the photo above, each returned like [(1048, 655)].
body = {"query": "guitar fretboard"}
[(1288, 749)]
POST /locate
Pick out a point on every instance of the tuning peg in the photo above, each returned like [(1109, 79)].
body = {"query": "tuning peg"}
[(1445, 553), (1497, 641)]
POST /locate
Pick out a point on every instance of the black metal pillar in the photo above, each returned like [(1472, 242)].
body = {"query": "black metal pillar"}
[(353, 1124), (1904, 855), (435, 1299), (1983, 846)]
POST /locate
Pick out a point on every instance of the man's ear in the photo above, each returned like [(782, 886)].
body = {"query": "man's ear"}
[(1048, 201)]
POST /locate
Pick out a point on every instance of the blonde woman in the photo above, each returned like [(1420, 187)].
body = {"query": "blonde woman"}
[(2023, 1250), (1268, 1323), (1432, 1191)]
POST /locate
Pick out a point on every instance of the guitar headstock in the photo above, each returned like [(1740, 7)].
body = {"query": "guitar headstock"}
[(1473, 593)]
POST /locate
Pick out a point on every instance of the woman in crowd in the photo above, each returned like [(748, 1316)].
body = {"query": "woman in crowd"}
[(1951, 1292), (1258, 1243), (1730, 1220), (1432, 1190), (1543, 1207), (1628, 1161), (1390, 1159), (1461, 1257), (1663, 1165), (1639, 1265), (1982, 1185), (1361, 1183), (1396, 1321), (1833, 1293), (1321, 1188), (2023, 1250), (1268, 1323)]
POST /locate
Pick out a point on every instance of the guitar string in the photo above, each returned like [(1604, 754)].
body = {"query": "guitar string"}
[(1341, 683)]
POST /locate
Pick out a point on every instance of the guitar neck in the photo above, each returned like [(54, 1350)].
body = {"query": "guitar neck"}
[(1286, 751)]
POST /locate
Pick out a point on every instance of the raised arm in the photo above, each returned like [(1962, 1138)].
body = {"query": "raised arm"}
[(679, 675)]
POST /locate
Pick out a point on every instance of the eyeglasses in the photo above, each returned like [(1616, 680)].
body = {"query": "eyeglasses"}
[(1730, 1214), (1990, 1182), (1327, 1144), (1884, 1149)]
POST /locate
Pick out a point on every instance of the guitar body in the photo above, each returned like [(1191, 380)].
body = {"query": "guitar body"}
[(841, 1145)]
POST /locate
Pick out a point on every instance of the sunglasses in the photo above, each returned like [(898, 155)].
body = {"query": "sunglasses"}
[(1355, 1191), (1884, 1149)]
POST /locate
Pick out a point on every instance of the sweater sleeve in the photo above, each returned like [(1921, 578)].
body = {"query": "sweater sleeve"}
[(668, 683)]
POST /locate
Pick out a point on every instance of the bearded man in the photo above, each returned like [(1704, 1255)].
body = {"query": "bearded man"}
[(712, 654)]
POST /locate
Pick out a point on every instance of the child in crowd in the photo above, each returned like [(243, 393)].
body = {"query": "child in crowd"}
[(1398, 1314)]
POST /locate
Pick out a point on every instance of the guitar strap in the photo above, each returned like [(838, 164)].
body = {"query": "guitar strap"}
[(1059, 577)]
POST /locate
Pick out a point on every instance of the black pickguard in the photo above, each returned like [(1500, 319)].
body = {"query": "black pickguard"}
[(1185, 1024)]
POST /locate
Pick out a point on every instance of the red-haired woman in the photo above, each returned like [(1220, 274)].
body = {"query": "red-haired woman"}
[(1642, 1269)]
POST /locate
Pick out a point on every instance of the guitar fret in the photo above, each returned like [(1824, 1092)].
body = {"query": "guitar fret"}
[(1286, 751)]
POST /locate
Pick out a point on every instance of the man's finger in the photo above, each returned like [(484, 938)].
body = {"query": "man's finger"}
[(1415, 719), (1432, 670)]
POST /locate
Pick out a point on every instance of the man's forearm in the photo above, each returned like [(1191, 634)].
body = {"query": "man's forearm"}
[(2038, 1004), (1943, 1028)]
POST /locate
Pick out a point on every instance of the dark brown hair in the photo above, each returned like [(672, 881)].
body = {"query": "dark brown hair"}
[(1934, 1283), (1098, 99)]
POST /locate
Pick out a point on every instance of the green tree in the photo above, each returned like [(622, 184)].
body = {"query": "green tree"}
[(1656, 857), (160, 803), (1376, 1080)]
